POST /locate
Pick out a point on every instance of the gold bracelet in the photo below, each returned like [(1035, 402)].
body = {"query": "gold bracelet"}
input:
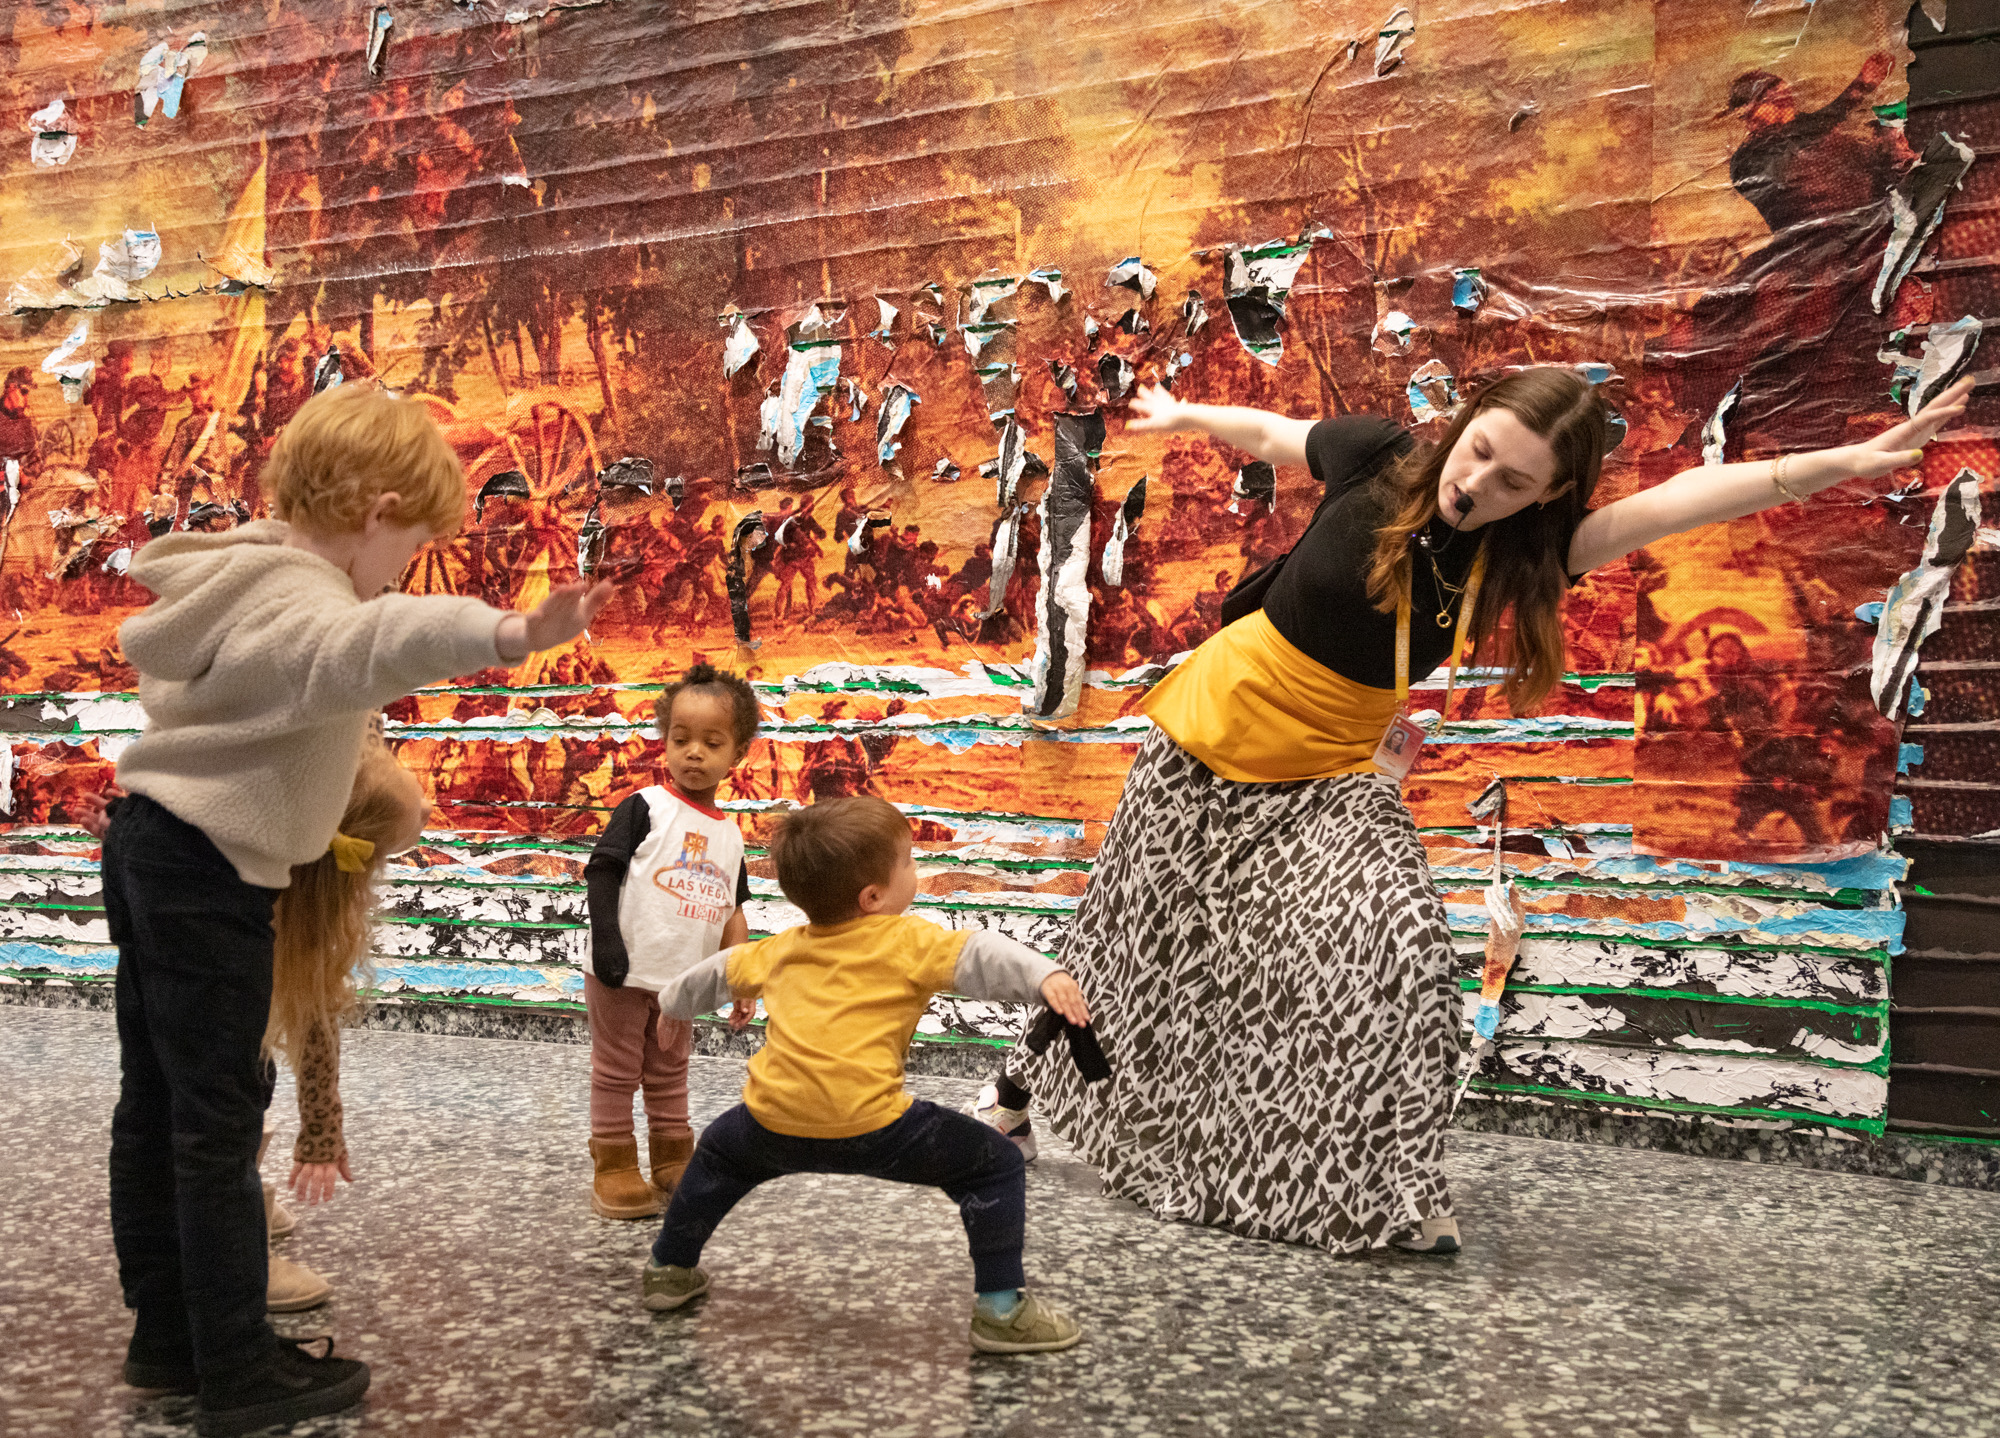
[(1778, 478)]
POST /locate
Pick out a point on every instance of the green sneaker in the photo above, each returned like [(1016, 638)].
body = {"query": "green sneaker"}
[(1033, 1327), (670, 1287)]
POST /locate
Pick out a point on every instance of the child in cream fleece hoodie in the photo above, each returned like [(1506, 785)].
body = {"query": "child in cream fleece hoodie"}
[(260, 664)]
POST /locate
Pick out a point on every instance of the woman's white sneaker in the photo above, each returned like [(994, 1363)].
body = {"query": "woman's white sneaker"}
[(1433, 1235), (1011, 1121)]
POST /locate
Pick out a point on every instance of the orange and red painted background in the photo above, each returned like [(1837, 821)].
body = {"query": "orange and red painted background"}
[(562, 225)]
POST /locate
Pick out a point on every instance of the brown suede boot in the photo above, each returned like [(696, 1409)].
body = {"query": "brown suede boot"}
[(619, 1189), (670, 1156)]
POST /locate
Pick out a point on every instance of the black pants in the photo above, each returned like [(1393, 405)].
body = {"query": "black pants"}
[(194, 994), (976, 1166)]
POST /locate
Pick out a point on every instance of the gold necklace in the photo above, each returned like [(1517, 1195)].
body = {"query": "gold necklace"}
[(1446, 590)]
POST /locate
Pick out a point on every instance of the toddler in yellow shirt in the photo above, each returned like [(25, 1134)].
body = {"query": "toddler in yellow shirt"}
[(842, 996)]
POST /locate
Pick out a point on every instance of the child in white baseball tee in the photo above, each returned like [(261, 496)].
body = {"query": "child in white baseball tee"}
[(666, 886)]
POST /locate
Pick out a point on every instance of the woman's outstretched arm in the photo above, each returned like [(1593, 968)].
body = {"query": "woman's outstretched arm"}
[(1717, 492), (1269, 436)]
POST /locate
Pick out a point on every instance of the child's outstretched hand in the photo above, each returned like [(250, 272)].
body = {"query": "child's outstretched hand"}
[(741, 1012), (90, 811), (1153, 407), (562, 616), (312, 1183), (1059, 992)]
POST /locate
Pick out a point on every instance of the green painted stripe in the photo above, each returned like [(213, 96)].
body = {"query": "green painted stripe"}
[(1562, 779), (1879, 956), (553, 926), (1880, 1010), (1948, 1138), (564, 1006), (1589, 682), (1839, 899), (1863, 1125)]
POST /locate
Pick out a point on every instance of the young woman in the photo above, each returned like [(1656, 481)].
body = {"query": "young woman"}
[(1261, 938)]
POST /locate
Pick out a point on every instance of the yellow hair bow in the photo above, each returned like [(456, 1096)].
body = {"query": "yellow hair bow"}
[(350, 854)]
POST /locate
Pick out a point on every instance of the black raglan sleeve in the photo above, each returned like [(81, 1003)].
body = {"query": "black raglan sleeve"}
[(604, 877)]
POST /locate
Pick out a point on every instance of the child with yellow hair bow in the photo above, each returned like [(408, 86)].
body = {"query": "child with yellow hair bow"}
[(320, 926)]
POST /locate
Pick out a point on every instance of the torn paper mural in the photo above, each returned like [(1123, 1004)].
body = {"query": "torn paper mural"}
[(379, 27), (70, 372), (1122, 524), (121, 264), (812, 367), (898, 400), (54, 141), (1468, 290), (1132, 274), (739, 342), (1915, 607), (1393, 332), (1257, 279), (1917, 207), (46, 286), (1946, 355), (163, 74), (1062, 612), (1393, 39), (1715, 431), (1432, 392), (549, 260)]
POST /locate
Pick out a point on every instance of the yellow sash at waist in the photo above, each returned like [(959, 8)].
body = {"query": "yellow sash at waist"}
[(1257, 710)]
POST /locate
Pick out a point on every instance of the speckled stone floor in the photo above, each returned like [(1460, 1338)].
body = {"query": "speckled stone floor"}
[(1603, 1292)]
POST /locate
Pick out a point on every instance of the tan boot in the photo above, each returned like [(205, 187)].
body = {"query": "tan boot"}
[(278, 1220), (670, 1157), (294, 1288), (619, 1190)]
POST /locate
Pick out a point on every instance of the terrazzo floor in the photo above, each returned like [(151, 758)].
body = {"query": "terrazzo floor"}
[(1603, 1291)]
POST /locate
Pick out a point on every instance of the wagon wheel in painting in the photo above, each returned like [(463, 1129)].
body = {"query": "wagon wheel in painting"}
[(440, 567), (558, 453), (61, 443), (445, 567)]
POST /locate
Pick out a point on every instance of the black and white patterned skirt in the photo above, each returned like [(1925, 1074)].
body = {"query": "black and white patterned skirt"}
[(1270, 971)]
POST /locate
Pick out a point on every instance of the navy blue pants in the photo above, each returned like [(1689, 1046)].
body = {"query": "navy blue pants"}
[(978, 1168), (194, 994)]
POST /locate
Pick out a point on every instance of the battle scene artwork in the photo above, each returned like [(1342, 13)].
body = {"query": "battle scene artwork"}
[(815, 330)]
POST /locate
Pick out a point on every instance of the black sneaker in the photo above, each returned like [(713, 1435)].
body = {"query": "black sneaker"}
[(294, 1385), (161, 1377)]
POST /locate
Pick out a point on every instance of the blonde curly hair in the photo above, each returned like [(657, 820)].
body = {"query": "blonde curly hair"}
[(321, 922), (348, 446)]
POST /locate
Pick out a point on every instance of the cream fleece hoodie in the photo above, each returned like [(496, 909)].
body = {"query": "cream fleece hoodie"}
[(258, 670)]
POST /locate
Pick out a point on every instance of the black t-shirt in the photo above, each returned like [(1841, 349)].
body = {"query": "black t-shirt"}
[(1319, 601)]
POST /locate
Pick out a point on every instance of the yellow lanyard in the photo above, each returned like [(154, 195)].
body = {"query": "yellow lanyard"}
[(1457, 644)]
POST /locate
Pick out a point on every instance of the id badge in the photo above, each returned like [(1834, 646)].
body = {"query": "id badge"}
[(1397, 754)]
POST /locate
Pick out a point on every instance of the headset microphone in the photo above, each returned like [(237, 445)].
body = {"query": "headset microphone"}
[(1463, 504)]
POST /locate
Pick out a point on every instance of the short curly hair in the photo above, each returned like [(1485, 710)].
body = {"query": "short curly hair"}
[(350, 445), (742, 700)]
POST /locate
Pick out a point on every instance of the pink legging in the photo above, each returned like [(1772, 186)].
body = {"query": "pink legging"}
[(632, 1045)]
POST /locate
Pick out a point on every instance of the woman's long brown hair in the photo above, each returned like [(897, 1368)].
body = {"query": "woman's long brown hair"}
[(1526, 552), (320, 925)]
